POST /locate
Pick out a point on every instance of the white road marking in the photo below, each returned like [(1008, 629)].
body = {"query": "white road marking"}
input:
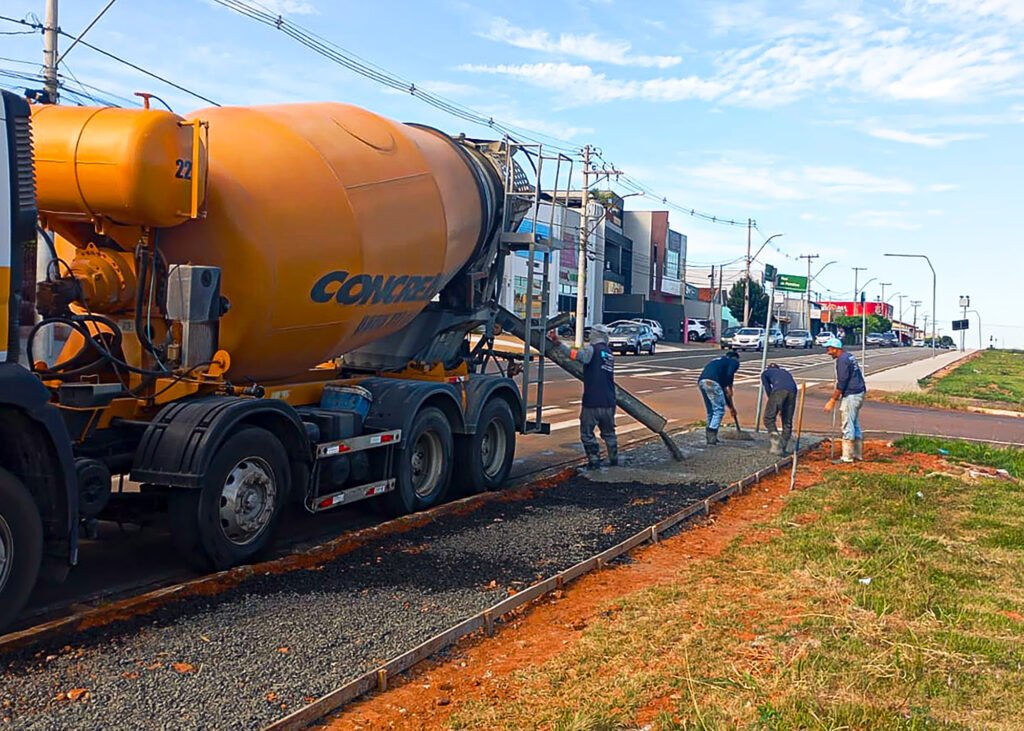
[(647, 390), (554, 411), (657, 374)]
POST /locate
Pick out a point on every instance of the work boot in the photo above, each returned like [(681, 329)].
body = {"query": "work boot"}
[(593, 461), (774, 444), (613, 456), (858, 449), (711, 435), (847, 451), (783, 446)]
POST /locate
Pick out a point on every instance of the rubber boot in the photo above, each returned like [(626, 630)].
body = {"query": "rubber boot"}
[(783, 447), (613, 456), (858, 449), (774, 444), (593, 461), (847, 451), (711, 435)]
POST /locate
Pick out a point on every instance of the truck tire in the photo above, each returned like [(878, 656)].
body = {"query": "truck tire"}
[(485, 458), (424, 466), (232, 517), (21, 545)]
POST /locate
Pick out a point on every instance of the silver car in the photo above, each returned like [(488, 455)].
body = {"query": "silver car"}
[(631, 338), (798, 339)]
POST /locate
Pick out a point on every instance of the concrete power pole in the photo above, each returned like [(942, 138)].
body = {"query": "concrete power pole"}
[(50, 52), (856, 271), (915, 304), (809, 258), (746, 282), (581, 264)]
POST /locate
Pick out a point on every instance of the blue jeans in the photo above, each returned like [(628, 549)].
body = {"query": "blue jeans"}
[(714, 402), (849, 407)]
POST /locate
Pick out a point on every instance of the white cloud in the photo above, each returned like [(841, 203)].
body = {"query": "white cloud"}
[(580, 84), (896, 220), (588, 47), (289, 7), (926, 139), (943, 187)]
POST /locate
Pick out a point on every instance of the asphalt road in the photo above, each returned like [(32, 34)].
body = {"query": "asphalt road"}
[(124, 558)]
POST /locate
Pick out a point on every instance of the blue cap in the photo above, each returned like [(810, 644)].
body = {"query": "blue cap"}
[(834, 343)]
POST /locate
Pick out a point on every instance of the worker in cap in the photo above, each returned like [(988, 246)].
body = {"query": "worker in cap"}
[(849, 391), (715, 384), (598, 409), (780, 389)]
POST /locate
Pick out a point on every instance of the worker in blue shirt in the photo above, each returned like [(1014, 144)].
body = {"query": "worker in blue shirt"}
[(715, 384), (849, 391), (598, 409), (780, 389)]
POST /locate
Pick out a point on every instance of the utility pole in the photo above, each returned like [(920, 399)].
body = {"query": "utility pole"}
[(965, 302), (581, 263), (856, 271), (746, 282), (883, 285), (916, 304), (809, 258), (585, 231), (50, 28)]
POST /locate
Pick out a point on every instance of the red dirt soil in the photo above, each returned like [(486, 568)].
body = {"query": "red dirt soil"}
[(480, 668)]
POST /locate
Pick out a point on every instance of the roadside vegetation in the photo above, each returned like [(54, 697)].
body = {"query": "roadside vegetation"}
[(992, 379), (887, 597)]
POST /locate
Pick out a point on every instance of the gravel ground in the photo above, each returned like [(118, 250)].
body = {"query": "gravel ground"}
[(242, 658)]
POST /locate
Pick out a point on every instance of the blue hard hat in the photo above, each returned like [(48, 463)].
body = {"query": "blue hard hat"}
[(834, 343)]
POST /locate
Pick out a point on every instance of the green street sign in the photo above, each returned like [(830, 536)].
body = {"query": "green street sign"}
[(791, 283)]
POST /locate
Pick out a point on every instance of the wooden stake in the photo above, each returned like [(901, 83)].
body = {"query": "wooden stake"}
[(799, 431)]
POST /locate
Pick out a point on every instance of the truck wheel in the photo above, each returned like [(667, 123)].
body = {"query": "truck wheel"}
[(487, 455), (21, 545), (424, 470), (233, 515)]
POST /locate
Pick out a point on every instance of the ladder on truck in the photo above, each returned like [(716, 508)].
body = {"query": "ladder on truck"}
[(537, 234)]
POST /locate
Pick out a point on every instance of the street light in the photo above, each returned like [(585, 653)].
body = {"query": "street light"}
[(935, 283), (863, 326), (746, 286), (978, 315)]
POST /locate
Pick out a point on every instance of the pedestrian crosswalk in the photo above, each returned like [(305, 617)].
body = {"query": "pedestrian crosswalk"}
[(750, 370)]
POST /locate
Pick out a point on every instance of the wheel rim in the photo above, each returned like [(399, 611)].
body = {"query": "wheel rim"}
[(492, 448), (6, 552), (247, 500), (425, 462)]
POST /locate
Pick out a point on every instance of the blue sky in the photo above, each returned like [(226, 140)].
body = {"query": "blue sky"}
[(854, 128)]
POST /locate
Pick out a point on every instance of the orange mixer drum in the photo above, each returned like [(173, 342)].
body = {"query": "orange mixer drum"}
[(332, 227), (129, 166)]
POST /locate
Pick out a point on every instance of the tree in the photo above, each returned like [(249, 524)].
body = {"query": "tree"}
[(758, 302), (946, 341), (875, 323)]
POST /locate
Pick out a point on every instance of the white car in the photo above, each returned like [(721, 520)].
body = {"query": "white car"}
[(798, 339), (659, 331), (918, 342), (776, 339), (696, 330), (823, 337), (748, 338)]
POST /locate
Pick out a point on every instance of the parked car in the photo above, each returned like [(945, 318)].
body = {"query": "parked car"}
[(919, 342), (823, 337), (631, 337), (891, 340), (875, 339), (776, 339), (798, 339), (696, 331), (748, 338), (656, 328), (727, 337)]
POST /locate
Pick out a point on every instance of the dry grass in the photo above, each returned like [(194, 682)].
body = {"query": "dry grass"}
[(783, 630)]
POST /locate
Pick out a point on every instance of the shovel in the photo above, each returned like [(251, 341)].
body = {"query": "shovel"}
[(740, 434)]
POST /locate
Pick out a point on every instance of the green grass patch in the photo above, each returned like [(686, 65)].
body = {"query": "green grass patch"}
[(1010, 459), (874, 601), (994, 375)]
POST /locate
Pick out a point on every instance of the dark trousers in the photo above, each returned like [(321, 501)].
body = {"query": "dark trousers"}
[(603, 419), (780, 403)]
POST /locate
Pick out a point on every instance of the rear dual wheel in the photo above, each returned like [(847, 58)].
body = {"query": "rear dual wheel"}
[(485, 458)]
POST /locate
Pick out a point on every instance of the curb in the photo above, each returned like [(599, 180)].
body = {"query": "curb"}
[(377, 679)]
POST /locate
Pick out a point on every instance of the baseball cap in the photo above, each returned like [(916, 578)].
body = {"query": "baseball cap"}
[(834, 343)]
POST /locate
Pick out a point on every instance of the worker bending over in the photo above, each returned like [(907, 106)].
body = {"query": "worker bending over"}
[(780, 388), (850, 388), (598, 408), (715, 384)]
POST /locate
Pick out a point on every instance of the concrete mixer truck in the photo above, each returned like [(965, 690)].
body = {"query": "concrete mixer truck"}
[(244, 309)]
